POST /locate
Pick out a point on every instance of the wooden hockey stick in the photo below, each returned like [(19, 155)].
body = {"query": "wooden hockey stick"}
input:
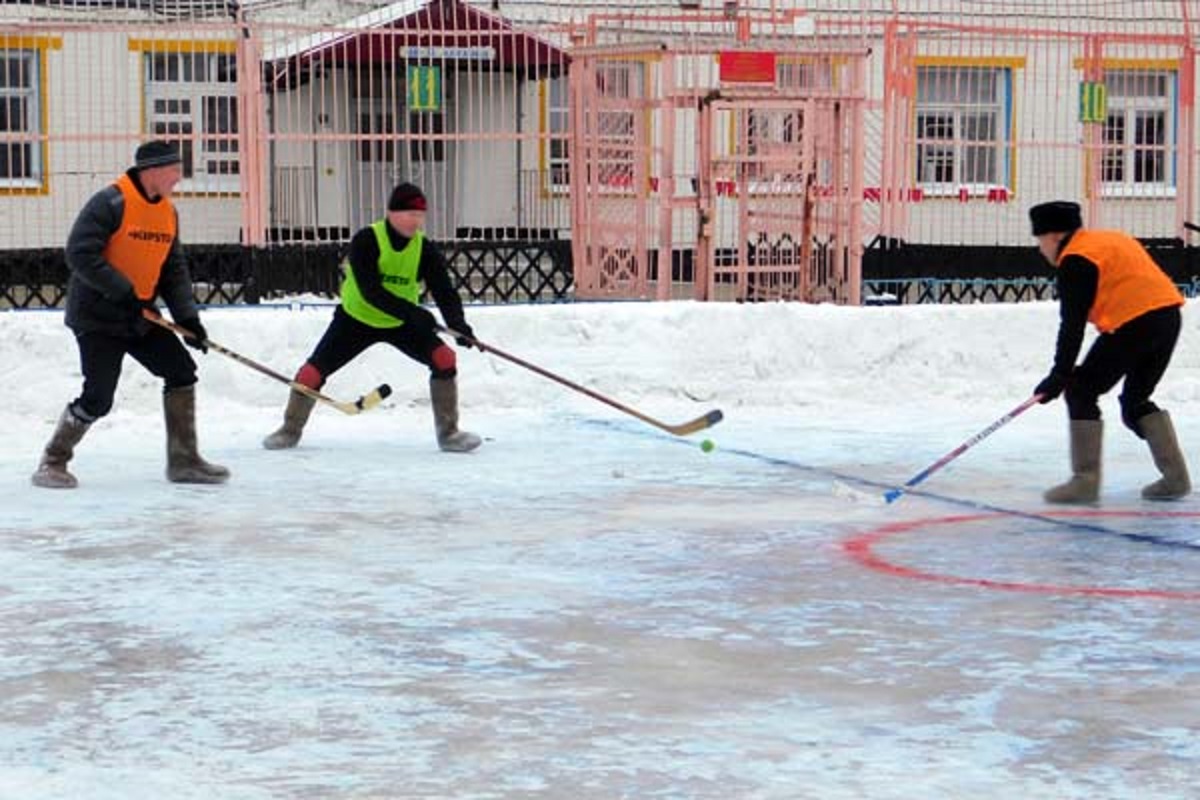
[(363, 403), (891, 495), (683, 429)]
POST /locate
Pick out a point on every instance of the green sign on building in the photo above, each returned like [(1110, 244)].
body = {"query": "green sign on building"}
[(1093, 101), (424, 88)]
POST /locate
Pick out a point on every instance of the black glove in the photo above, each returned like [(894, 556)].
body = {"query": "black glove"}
[(194, 327), (468, 336), (421, 320), (134, 305), (1052, 386)]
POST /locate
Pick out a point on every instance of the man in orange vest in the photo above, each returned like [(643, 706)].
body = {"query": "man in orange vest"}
[(123, 252), (1107, 278)]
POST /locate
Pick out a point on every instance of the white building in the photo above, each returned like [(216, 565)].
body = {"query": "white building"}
[(972, 111)]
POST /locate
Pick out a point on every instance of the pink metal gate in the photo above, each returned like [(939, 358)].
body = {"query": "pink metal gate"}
[(685, 186), (782, 208), (615, 103)]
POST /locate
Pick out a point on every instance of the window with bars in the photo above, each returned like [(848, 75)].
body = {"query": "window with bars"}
[(557, 149), (618, 82), (1139, 131), (191, 98), (20, 119), (963, 135), (430, 129)]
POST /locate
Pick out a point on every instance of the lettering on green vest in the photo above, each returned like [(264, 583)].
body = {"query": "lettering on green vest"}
[(398, 270)]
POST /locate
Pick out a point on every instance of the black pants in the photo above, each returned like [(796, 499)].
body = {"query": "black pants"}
[(100, 357), (1139, 351), (346, 338)]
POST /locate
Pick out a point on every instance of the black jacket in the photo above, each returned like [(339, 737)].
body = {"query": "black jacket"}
[(97, 291), (433, 274)]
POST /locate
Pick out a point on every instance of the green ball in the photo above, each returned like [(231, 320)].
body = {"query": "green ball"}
[(707, 445)]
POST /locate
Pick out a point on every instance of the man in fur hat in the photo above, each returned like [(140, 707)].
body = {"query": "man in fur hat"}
[(1107, 278)]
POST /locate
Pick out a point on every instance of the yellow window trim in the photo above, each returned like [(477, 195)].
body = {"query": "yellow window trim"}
[(41, 44), (543, 131), (1010, 62), (181, 46), (13, 42), (1157, 64)]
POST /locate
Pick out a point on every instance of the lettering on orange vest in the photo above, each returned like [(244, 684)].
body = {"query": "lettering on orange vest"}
[(1130, 284), (140, 246)]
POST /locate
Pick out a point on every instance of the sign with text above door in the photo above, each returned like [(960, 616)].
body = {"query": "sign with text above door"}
[(747, 66), (424, 88)]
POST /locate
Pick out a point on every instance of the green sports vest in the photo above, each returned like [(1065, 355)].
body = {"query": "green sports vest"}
[(398, 271)]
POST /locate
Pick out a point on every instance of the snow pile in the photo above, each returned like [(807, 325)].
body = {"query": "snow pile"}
[(660, 355)]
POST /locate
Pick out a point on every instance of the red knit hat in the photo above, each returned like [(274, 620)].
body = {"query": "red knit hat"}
[(407, 197)]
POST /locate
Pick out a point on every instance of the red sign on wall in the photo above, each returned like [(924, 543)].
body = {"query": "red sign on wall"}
[(747, 66)]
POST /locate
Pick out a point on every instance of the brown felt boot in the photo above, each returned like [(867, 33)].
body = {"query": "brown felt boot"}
[(52, 471), (444, 394), (184, 464), (1160, 435), (1084, 485), (295, 417)]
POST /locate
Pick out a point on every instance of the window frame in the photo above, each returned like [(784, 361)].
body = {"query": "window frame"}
[(196, 141), (636, 64), (33, 48), (1005, 148), (548, 113), (1128, 109)]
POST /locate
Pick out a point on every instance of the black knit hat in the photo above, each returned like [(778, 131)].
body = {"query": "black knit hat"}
[(1059, 216), (156, 154), (407, 197)]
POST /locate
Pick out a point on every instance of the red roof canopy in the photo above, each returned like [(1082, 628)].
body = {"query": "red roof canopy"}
[(442, 32)]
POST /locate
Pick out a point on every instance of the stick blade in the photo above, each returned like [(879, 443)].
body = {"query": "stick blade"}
[(373, 397), (892, 495), (698, 424)]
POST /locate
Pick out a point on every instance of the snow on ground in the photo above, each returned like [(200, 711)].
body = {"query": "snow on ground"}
[(586, 607)]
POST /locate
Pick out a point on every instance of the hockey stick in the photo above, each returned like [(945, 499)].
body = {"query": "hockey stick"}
[(364, 403), (1191, 226), (891, 495), (683, 429)]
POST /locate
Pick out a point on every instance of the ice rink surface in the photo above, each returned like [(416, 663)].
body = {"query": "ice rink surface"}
[(588, 608)]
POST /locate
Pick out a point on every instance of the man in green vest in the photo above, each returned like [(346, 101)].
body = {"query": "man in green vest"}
[(389, 263)]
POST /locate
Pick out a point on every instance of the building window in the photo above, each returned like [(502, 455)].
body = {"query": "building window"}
[(620, 86), (1139, 131), (556, 161), (804, 74), (21, 162), (616, 134), (191, 98), (963, 135), (430, 127)]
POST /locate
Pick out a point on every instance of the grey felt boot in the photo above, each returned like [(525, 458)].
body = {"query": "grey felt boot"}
[(52, 471), (1160, 435), (1084, 484), (444, 394), (295, 417), (184, 464)]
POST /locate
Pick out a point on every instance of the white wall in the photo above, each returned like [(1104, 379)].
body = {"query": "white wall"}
[(488, 168)]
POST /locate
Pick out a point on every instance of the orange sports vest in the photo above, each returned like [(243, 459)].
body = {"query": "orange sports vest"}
[(1130, 282), (140, 246)]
